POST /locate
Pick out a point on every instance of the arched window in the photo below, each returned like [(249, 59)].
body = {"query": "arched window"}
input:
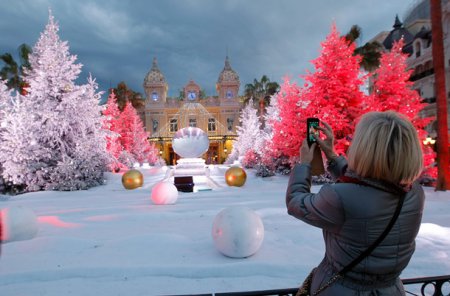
[(155, 125), (173, 125), (230, 122), (211, 124), (419, 69), (417, 48), (192, 122)]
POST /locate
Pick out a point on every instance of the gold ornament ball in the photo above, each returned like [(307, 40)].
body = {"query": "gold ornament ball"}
[(235, 176), (132, 179)]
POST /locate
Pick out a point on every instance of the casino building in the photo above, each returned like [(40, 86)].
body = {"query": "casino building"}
[(216, 115)]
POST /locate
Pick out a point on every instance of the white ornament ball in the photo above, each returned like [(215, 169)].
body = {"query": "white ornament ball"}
[(190, 142), (238, 232), (18, 223), (164, 193)]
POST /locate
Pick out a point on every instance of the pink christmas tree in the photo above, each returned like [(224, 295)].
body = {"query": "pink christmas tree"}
[(287, 123), (392, 90), (111, 124), (134, 138), (332, 93)]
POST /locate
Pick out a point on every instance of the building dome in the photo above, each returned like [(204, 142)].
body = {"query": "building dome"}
[(228, 74), (420, 10), (154, 76), (396, 34)]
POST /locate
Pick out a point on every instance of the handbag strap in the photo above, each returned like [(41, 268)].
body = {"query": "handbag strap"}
[(386, 231), (372, 246)]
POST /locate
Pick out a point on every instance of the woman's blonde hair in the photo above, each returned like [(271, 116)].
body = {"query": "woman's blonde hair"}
[(386, 146)]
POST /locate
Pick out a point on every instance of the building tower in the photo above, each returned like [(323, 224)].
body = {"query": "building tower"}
[(228, 85), (228, 91), (155, 87)]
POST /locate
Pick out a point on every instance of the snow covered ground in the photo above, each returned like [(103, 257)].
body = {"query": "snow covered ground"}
[(110, 241)]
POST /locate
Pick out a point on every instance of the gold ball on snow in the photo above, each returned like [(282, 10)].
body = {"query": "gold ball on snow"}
[(132, 179), (235, 176)]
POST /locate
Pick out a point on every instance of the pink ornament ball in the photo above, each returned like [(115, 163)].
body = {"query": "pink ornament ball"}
[(18, 223), (164, 193)]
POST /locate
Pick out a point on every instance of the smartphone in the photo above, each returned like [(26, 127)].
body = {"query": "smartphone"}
[(311, 129)]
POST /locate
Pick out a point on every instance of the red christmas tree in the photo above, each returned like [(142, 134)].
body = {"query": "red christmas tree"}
[(288, 129), (112, 125), (125, 129), (392, 90), (134, 137), (332, 93)]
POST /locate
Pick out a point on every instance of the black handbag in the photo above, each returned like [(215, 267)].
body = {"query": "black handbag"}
[(305, 288)]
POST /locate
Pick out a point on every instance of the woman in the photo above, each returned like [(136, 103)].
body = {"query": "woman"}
[(384, 160)]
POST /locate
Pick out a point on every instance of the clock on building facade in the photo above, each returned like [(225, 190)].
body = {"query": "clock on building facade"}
[(155, 96), (192, 95)]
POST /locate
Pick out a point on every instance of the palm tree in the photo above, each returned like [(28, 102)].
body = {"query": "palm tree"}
[(12, 72), (125, 94), (370, 52), (354, 34), (260, 91)]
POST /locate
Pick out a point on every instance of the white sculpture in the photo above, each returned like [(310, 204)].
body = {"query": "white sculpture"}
[(190, 142), (164, 193), (237, 232)]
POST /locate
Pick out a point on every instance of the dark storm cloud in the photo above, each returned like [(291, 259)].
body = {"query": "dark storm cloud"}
[(116, 40)]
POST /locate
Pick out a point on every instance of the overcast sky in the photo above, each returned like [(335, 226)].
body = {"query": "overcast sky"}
[(116, 40)]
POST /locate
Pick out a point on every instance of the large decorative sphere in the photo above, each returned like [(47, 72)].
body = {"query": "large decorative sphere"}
[(235, 176), (237, 232), (164, 193), (190, 142), (18, 223), (132, 179)]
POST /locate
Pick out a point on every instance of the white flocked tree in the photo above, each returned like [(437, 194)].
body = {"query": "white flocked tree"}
[(53, 139), (5, 101), (248, 132), (272, 115)]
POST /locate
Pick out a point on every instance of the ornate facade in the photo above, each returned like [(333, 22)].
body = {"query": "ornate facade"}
[(421, 59), (216, 115), (416, 31)]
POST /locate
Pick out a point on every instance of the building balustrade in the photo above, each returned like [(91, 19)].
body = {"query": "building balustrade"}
[(422, 75)]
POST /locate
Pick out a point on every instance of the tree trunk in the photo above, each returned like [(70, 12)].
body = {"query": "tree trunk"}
[(261, 111), (443, 181), (261, 107)]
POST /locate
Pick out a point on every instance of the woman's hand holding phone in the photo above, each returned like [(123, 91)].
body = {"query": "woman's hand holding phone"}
[(307, 152), (327, 144)]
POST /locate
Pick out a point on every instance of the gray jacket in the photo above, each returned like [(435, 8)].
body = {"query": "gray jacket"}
[(351, 217)]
